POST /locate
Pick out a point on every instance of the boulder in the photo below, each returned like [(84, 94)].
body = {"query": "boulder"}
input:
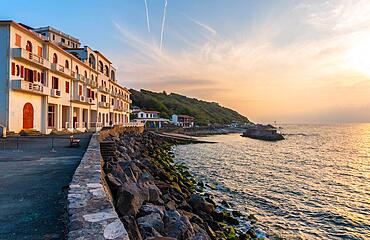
[(153, 220), (177, 226), (128, 202), (198, 203), (149, 208), (132, 228), (149, 232)]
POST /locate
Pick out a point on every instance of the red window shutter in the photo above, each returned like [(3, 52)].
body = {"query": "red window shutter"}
[(80, 90), (39, 51), (17, 40), (13, 68), (42, 78), (26, 74), (67, 87), (22, 71), (34, 75)]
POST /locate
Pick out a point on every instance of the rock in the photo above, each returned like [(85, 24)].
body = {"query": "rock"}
[(148, 232), (152, 220), (115, 230), (177, 226), (229, 219), (154, 194), (218, 216), (225, 204), (198, 203), (149, 208), (132, 228), (113, 182), (171, 205), (200, 234), (161, 238), (236, 213), (128, 202)]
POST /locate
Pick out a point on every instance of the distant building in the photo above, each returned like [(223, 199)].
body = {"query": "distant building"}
[(147, 114), (183, 120), (151, 119)]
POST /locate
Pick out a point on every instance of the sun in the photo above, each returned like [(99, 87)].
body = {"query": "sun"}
[(358, 57)]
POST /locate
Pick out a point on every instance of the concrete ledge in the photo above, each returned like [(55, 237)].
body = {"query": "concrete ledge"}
[(90, 210)]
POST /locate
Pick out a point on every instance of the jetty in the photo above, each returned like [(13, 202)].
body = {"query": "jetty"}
[(263, 132)]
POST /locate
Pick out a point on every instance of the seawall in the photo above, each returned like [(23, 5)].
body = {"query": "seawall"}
[(91, 214)]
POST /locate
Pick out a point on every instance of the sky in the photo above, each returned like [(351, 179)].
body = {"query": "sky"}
[(288, 61)]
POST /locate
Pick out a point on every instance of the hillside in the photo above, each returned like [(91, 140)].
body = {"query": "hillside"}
[(167, 104)]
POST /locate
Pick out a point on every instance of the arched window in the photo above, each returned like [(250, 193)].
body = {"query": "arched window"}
[(76, 69), (92, 77), (100, 66), (92, 61), (29, 46), (85, 74), (66, 64), (112, 75), (55, 58), (106, 71)]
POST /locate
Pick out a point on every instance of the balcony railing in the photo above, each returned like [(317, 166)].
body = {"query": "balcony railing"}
[(60, 69), (104, 104), (118, 108), (92, 83), (29, 56), (80, 78), (104, 89), (79, 98), (36, 88)]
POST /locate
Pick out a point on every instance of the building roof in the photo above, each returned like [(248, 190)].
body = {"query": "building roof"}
[(51, 29), (185, 116), (149, 111)]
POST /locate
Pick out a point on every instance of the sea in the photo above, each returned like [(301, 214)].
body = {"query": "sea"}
[(315, 184)]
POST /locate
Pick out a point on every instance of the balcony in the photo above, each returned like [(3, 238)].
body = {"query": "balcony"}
[(104, 89), (24, 86), (92, 83), (60, 69), (103, 105), (79, 99), (30, 57), (118, 108), (55, 93), (79, 77)]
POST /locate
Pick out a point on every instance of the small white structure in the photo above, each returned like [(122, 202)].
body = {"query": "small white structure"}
[(183, 120), (147, 114)]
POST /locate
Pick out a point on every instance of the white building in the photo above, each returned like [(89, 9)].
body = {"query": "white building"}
[(48, 82), (147, 114)]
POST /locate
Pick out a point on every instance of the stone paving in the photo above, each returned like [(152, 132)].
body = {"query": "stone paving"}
[(33, 186), (91, 213)]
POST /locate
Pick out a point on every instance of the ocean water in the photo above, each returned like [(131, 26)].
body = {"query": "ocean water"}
[(313, 185)]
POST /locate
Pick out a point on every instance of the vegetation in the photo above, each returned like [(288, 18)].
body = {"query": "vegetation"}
[(167, 104)]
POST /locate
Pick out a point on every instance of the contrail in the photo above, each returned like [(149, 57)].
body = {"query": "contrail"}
[(147, 15), (163, 21)]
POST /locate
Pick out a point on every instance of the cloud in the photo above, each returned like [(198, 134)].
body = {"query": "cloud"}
[(255, 73)]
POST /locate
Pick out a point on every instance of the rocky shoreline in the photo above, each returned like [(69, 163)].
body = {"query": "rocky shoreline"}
[(156, 198)]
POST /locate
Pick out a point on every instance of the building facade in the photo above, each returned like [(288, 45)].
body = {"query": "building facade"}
[(183, 120), (49, 82)]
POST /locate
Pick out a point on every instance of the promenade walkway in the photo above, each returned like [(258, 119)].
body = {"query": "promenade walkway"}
[(33, 185)]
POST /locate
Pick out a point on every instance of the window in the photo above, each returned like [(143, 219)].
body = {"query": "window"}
[(17, 70), (92, 61), (66, 65), (53, 37), (29, 46), (88, 92), (112, 75), (67, 87), (92, 95), (80, 90), (85, 74), (77, 69), (54, 83), (112, 101), (18, 41), (51, 113), (42, 78), (106, 71), (38, 77), (101, 66), (55, 58), (63, 40)]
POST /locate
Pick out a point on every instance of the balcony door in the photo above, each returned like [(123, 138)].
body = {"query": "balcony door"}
[(28, 116)]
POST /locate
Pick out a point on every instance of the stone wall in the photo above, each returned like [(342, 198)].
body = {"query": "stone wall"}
[(90, 210)]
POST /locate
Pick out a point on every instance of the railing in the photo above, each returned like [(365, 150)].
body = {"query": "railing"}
[(23, 53), (80, 78), (104, 104), (118, 108), (133, 124), (22, 85), (104, 89), (92, 83), (96, 125), (59, 68)]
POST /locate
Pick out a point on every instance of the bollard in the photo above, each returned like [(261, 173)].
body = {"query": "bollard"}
[(52, 145)]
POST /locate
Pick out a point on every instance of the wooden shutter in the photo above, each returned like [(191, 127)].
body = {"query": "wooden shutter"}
[(18, 40), (13, 68), (67, 87), (22, 71), (34, 75), (39, 51)]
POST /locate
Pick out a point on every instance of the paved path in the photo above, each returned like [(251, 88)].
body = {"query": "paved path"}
[(33, 185)]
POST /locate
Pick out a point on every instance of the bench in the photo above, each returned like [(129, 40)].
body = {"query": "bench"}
[(74, 142)]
